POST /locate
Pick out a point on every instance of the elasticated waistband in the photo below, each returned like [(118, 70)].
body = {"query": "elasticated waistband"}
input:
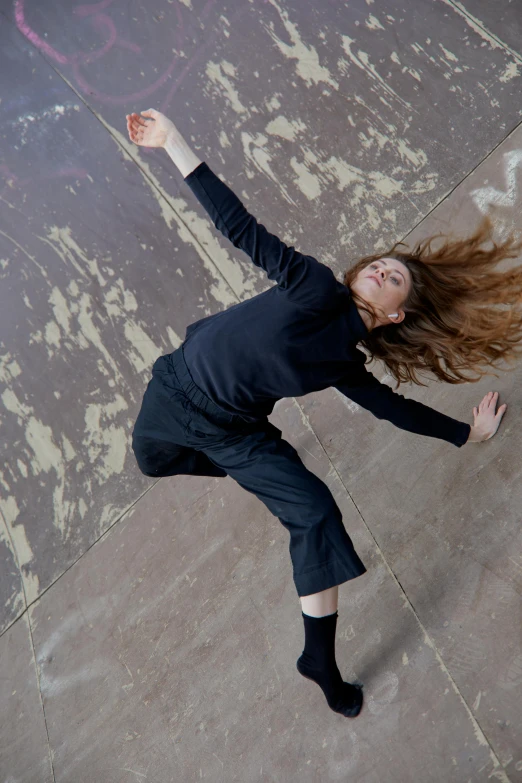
[(174, 363)]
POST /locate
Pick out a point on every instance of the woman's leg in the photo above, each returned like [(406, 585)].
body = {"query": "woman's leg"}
[(321, 604), (159, 439), (321, 551)]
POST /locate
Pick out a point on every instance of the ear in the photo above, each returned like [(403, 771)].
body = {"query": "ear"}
[(397, 317)]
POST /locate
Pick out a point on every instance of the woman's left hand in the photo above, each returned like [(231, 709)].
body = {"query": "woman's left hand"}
[(487, 418)]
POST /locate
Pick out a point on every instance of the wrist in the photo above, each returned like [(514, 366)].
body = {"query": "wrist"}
[(180, 153), (474, 436), (174, 138)]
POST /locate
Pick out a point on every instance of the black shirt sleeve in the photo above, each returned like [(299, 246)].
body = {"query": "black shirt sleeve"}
[(305, 279), (363, 388)]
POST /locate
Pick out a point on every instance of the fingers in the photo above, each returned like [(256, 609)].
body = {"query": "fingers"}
[(490, 399), (136, 121), (136, 127), (488, 404)]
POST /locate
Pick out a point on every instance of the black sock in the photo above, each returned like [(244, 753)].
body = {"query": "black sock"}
[(317, 662)]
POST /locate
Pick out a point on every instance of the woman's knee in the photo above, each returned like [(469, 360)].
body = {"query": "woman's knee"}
[(145, 465), (147, 456)]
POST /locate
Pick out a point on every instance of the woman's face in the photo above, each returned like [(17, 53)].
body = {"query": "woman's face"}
[(384, 283)]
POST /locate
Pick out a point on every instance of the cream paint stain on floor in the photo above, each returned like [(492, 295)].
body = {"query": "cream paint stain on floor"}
[(285, 128), (78, 324), (307, 65), (221, 75), (255, 150), (118, 301), (14, 603), (362, 61)]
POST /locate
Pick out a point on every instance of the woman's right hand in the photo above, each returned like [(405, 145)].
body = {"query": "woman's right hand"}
[(486, 421), (151, 132)]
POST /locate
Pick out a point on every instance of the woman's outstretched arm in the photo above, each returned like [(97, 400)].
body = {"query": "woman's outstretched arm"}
[(407, 414), (362, 387), (305, 280)]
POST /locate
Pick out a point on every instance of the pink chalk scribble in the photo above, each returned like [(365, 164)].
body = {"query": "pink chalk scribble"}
[(34, 38), (69, 171), (80, 58), (85, 10), (103, 21), (13, 181)]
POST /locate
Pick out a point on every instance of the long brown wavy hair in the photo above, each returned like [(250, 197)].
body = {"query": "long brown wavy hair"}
[(461, 314)]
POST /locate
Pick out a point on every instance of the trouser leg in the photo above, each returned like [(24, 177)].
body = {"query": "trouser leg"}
[(159, 436), (265, 464)]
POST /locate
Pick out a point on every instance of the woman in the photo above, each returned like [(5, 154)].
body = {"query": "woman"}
[(205, 410)]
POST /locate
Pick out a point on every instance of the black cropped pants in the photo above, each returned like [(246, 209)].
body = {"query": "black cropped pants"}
[(179, 430)]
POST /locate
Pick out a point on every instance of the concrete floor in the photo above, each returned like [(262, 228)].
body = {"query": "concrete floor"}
[(150, 629)]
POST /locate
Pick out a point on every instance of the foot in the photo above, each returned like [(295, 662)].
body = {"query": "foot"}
[(342, 697)]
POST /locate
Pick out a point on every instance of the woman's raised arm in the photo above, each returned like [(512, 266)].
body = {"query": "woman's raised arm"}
[(307, 281)]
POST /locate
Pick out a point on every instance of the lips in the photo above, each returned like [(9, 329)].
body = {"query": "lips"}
[(372, 277)]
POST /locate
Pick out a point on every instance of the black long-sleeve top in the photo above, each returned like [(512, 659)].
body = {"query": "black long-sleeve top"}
[(297, 337)]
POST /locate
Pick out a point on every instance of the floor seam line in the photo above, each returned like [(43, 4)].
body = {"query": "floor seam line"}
[(459, 9), (100, 537), (15, 554), (49, 749), (427, 638), (458, 184)]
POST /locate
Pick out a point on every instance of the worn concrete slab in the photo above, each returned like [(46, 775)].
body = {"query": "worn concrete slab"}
[(326, 111), (448, 520), (78, 204), (100, 276), (172, 643), (24, 750)]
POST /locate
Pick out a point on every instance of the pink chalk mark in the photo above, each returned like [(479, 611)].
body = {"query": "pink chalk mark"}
[(179, 81), (103, 19), (128, 45), (119, 100), (33, 37), (69, 172), (51, 52), (86, 10), (74, 60), (99, 21)]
